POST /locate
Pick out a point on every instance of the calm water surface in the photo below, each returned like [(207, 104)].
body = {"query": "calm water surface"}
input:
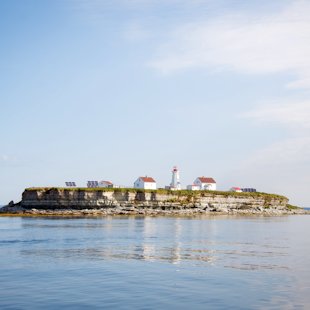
[(155, 263)]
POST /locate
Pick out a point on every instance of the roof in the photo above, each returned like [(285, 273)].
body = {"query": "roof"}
[(206, 180), (108, 182), (236, 188), (148, 179)]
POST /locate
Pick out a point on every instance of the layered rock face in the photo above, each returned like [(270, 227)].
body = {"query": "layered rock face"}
[(121, 199)]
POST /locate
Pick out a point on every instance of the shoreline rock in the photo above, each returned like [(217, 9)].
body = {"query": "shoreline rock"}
[(20, 211)]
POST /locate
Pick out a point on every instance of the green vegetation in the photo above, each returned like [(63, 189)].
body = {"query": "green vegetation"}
[(190, 194), (291, 207)]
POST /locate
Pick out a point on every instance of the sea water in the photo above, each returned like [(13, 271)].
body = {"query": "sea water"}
[(219, 262)]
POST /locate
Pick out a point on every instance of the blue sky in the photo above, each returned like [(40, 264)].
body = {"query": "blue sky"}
[(95, 90)]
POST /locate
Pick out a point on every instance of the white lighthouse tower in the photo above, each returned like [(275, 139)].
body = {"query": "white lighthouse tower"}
[(175, 183)]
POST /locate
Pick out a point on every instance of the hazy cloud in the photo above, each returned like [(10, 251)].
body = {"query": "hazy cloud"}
[(293, 114), (4, 158), (279, 42), (283, 168), (287, 152), (284, 160)]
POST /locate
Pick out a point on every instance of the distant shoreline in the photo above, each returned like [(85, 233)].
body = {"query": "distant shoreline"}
[(108, 201)]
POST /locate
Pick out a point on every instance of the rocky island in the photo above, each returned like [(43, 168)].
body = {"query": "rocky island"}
[(123, 201)]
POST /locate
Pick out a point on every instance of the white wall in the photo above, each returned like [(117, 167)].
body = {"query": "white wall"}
[(209, 186), (149, 185), (193, 187), (138, 184)]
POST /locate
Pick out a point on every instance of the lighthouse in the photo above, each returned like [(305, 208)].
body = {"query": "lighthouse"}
[(175, 182)]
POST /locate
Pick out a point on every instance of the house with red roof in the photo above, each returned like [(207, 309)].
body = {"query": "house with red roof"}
[(145, 183), (204, 183)]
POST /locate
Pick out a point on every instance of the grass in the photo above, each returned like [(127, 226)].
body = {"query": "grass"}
[(180, 193), (291, 207)]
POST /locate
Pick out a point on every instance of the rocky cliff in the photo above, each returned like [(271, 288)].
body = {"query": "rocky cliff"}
[(120, 201)]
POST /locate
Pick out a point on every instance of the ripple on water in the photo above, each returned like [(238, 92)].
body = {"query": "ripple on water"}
[(151, 263)]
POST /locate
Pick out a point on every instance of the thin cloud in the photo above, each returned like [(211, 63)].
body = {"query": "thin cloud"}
[(293, 114), (290, 152), (283, 167), (4, 158), (284, 160), (248, 44)]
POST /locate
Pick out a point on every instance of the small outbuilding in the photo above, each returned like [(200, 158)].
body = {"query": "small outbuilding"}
[(106, 184), (145, 183), (236, 189)]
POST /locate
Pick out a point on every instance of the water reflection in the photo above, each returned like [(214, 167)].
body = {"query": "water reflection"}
[(172, 240), (147, 253), (217, 262)]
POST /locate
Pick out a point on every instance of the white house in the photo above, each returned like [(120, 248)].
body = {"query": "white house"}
[(145, 183), (205, 183), (106, 184), (236, 189)]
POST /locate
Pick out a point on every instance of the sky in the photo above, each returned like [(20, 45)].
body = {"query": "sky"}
[(114, 90)]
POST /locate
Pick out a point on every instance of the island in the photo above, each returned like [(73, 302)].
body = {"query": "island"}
[(131, 201)]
